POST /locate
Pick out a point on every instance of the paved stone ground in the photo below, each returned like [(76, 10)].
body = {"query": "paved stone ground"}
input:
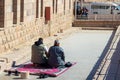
[(81, 57)]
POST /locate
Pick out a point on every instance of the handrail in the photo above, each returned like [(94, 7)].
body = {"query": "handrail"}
[(99, 17)]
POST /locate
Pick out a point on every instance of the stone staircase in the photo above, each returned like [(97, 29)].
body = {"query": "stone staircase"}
[(90, 23), (98, 28)]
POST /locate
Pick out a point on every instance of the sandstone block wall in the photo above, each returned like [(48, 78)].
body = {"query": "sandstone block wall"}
[(1, 13), (6, 14), (24, 20), (16, 11)]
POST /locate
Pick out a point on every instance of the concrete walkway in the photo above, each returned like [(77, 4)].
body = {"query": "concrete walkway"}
[(83, 47)]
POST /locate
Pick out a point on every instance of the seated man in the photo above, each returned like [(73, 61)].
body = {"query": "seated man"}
[(38, 52), (56, 56)]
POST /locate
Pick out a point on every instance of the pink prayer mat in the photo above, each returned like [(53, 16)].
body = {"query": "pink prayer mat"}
[(40, 70)]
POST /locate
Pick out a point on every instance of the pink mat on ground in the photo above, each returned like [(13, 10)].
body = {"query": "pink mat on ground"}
[(49, 71)]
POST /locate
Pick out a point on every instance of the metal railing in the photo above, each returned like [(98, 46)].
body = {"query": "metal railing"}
[(99, 17)]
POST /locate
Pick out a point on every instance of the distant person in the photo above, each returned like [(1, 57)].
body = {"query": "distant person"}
[(39, 53), (79, 11), (56, 56), (78, 8), (112, 10), (85, 11)]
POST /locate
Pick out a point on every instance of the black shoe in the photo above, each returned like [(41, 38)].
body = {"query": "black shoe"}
[(16, 73), (43, 76), (9, 73)]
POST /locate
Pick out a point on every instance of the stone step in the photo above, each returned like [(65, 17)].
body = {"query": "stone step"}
[(97, 28)]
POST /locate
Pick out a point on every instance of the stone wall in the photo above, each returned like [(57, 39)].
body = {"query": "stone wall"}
[(24, 20), (6, 14)]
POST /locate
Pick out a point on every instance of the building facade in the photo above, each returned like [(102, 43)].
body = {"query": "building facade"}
[(25, 20)]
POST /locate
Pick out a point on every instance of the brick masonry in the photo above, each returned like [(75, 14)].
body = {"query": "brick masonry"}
[(24, 20)]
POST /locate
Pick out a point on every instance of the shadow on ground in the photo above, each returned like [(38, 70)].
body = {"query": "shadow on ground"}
[(113, 72), (93, 71)]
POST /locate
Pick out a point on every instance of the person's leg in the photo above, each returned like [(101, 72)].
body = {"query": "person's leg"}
[(45, 62), (61, 66)]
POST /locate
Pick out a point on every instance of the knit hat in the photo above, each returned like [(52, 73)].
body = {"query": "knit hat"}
[(56, 42)]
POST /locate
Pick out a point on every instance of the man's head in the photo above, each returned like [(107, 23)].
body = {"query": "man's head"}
[(56, 43), (40, 41), (36, 43)]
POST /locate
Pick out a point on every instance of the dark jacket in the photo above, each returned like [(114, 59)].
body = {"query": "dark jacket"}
[(54, 53), (38, 52)]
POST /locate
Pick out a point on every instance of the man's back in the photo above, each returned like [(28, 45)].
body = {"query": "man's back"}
[(54, 53), (37, 54)]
